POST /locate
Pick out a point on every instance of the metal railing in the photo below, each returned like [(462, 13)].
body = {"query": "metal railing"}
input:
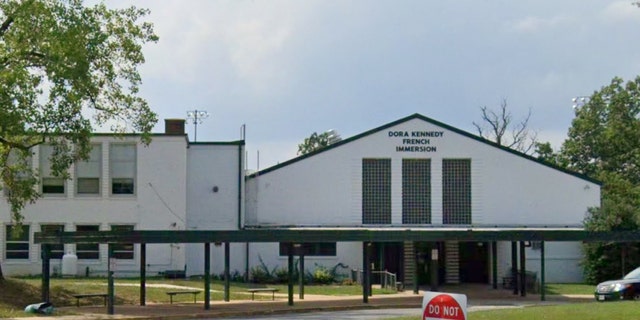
[(384, 278)]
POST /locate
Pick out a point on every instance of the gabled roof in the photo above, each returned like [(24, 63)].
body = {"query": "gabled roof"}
[(434, 122)]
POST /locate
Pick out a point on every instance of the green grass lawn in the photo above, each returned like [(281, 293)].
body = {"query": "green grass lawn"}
[(17, 293), (569, 288), (577, 311), (20, 292)]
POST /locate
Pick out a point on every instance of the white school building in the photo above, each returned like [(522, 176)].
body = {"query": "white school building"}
[(411, 173)]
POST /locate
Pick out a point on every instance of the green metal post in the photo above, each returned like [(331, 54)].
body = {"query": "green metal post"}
[(207, 275), (416, 285), (494, 263), (290, 270), (381, 265), (301, 275), (110, 287), (46, 254), (514, 266), (143, 274), (365, 272), (542, 282), (523, 275), (227, 283), (246, 261)]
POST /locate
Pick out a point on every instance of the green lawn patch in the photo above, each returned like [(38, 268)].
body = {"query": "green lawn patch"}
[(569, 288), (619, 310)]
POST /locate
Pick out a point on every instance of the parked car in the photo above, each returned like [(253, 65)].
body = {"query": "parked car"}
[(627, 288)]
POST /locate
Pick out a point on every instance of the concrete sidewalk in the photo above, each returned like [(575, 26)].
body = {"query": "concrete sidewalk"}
[(476, 297)]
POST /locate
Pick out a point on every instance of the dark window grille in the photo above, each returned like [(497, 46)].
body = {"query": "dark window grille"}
[(456, 191), (416, 191), (376, 191)]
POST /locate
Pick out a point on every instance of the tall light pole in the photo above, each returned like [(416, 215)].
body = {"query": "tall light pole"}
[(197, 116)]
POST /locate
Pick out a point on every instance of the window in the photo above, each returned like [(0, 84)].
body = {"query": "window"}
[(88, 251), (416, 191), (456, 191), (88, 172), (57, 250), (122, 251), (17, 243), (20, 167), (122, 159), (50, 183), (312, 249), (376, 191)]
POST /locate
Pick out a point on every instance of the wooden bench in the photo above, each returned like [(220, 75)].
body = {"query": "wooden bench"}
[(173, 293), (254, 290), (89, 295)]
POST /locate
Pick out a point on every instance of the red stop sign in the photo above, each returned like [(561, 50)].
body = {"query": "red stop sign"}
[(443, 306)]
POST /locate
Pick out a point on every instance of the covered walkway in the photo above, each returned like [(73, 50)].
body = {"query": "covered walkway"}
[(294, 236)]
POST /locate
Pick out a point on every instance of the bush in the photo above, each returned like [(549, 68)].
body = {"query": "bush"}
[(321, 275), (259, 275)]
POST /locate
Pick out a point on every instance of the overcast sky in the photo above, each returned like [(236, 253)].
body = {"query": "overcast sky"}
[(289, 68)]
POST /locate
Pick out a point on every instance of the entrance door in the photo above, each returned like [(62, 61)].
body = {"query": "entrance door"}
[(474, 262), (388, 256)]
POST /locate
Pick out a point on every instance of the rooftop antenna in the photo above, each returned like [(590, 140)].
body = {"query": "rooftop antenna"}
[(197, 117)]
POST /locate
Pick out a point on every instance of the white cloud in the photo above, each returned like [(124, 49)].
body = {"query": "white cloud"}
[(533, 24), (621, 11), (245, 40)]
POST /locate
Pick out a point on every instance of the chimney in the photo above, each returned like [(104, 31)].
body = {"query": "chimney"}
[(174, 127)]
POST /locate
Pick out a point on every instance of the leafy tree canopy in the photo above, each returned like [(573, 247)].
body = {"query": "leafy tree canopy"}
[(65, 69), (605, 133), (604, 143), (318, 141)]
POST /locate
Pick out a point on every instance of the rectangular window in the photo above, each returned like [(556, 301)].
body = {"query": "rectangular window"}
[(312, 249), (50, 184), (416, 191), (376, 191), (20, 167), (57, 250), (88, 172), (122, 251), (122, 161), (456, 191), (17, 243), (88, 251)]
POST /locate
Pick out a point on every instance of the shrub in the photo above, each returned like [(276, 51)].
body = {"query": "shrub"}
[(321, 275)]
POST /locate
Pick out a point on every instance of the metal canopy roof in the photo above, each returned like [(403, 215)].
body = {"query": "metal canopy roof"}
[(338, 234)]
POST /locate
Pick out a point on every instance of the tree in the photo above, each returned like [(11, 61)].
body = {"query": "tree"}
[(318, 141), (500, 128), (604, 143), (65, 69)]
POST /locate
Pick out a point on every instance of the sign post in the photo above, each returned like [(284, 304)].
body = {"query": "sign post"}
[(444, 306)]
